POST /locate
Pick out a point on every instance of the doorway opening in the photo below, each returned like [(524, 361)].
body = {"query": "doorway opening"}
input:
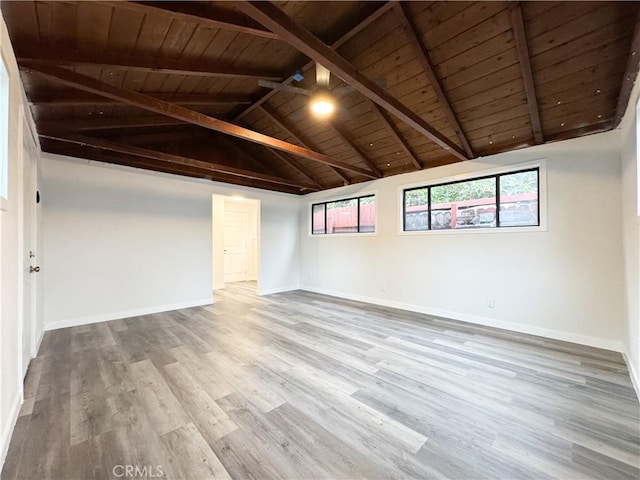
[(236, 240)]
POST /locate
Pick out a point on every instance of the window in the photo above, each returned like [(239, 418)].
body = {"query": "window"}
[(352, 215), (502, 200), (4, 131)]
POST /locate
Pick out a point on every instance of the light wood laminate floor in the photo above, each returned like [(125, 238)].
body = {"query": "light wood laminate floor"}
[(303, 386)]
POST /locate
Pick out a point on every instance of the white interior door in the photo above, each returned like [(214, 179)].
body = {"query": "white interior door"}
[(31, 267), (236, 229)]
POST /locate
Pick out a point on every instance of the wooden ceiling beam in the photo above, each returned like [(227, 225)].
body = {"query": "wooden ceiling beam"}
[(242, 154), (283, 125), (98, 155), (291, 162), (168, 158), (72, 98), (379, 10), (630, 75), (163, 137), (421, 53), (296, 166), (201, 13), (395, 135), (359, 155), (101, 123), (115, 61), (520, 35), (297, 36), (184, 114)]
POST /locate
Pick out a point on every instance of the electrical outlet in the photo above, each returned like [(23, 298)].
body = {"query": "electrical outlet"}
[(491, 302), (383, 288)]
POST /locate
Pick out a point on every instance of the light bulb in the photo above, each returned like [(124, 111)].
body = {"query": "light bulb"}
[(322, 103)]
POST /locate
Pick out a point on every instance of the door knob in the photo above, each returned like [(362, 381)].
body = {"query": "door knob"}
[(34, 269)]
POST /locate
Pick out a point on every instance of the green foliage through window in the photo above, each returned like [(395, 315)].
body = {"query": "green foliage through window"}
[(502, 200)]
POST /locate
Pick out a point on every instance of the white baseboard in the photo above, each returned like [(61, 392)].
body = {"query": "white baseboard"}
[(105, 317), (271, 291), (220, 286), (7, 430), (633, 372), (38, 343), (597, 342)]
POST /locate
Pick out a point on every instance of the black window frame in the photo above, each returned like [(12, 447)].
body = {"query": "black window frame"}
[(495, 176), (324, 205)]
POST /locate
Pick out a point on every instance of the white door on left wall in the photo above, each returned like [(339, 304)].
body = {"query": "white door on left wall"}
[(30, 261)]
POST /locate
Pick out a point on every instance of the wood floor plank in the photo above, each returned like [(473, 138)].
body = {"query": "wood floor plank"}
[(302, 385)]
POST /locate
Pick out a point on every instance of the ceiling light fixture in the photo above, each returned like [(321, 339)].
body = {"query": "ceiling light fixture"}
[(322, 103)]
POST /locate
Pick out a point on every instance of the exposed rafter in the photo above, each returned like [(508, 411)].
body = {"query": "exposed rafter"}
[(199, 12), (101, 123), (520, 34), (296, 166), (379, 10), (99, 155), (296, 35), (116, 61), (421, 53), (630, 74), (361, 156), (164, 137), (66, 98), (242, 154), (172, 110), (395, 135), (283, 125), (168, 158)]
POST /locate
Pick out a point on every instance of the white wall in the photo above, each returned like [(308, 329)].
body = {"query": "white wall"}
[(121, 242), (564, 283), (11, 257), (631, 236)]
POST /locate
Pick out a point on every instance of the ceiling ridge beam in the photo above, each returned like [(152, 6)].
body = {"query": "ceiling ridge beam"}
[(210, 16), (281, 122), (422, 54), (167, 157), (340, 134), (151, 63), (520, 35), (73, 98), (297, 36), (152, 104), (381, 10), (630, 75), (404, 146)]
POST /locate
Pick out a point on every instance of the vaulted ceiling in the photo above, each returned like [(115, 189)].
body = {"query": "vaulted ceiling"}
[(174, 86)]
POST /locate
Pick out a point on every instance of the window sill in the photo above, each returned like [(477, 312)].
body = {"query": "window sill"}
[(340, 235), (475, 231)]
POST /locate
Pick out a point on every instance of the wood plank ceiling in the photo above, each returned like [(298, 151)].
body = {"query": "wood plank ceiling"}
[(173, 86)]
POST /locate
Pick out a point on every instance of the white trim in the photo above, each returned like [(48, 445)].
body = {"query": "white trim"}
[(38, 343), (105, 317), (633, 373), (271, 291), (7, 430), (597, 342)]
